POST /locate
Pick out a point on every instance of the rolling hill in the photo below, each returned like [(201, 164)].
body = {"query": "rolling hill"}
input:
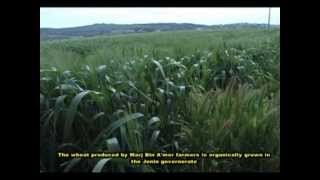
[(110, 29)]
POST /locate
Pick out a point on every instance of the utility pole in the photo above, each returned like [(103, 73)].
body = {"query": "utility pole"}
[(269, 19)]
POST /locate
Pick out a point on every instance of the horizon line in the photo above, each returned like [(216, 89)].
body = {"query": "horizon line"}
[(156, 23)]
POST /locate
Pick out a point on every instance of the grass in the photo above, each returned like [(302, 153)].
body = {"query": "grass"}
[(183, 91)]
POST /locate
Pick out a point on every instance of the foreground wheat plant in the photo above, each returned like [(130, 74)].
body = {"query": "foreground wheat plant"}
[(138, 94)]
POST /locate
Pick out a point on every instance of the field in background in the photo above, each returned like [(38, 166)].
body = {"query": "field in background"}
[(182, 91)]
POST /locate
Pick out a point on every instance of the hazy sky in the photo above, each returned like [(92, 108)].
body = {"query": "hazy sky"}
[(70, 17)]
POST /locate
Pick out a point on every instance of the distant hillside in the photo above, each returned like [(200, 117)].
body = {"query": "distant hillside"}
[(242, 25), (110, 29)]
